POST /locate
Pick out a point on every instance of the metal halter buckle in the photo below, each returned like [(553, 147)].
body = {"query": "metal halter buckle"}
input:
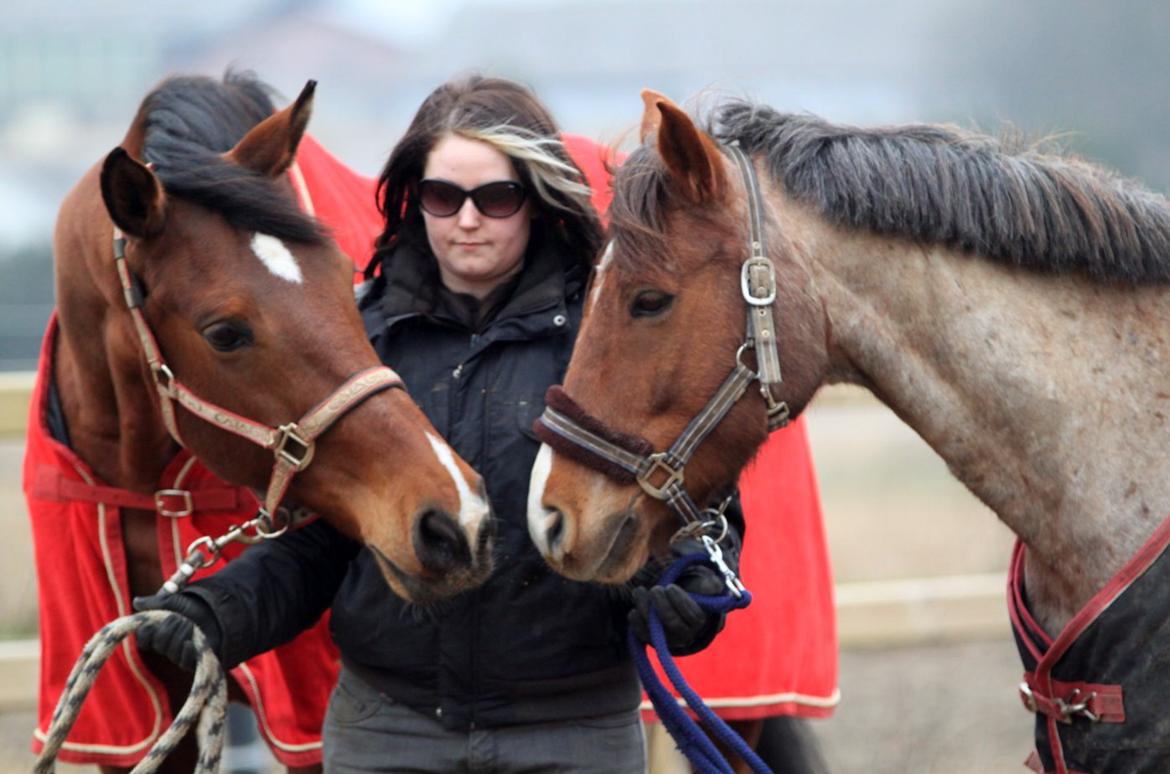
[(162, 496), (758, 272), (778, 411), (673, 476), (301, 452)]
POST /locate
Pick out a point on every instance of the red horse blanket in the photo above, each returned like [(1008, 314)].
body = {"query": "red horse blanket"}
[(81, 565)]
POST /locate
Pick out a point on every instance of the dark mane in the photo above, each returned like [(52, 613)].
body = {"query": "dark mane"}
[(188, 122), (934, 184)]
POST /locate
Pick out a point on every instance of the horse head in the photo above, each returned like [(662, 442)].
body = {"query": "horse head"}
[(664, 326), (251, 305)]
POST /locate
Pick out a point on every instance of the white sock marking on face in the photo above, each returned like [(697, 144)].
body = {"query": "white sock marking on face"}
[(472, 507), (277, 258), (537, 513), (606, 260)]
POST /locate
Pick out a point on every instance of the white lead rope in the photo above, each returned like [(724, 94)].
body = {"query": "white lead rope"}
[(207, 702)]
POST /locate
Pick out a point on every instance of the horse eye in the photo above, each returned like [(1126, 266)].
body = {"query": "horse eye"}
[(227, 336), (649, 303)]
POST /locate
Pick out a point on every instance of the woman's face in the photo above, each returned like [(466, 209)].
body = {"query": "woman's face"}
[(475, 253)]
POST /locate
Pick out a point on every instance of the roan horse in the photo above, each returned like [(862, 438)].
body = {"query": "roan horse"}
[(1010, 306), (251, 305)]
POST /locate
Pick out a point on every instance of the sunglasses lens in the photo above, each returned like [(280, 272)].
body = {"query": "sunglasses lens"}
[(440, 198), (499, 200)]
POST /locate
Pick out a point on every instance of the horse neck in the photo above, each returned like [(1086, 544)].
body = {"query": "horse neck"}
[(114, 423), (1047, 396)]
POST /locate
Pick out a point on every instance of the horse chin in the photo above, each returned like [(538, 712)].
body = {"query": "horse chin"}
[(429, 589), (627, 551)]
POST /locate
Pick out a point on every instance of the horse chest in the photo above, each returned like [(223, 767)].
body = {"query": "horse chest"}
[(140, 538)]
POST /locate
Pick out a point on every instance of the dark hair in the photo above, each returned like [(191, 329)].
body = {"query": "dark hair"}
[(508, 116)]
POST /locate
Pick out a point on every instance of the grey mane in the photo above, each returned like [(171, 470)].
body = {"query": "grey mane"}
[(945, 186)]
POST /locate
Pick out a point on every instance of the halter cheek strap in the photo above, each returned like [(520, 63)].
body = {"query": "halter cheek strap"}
[(567, 428), (292, 444), (757, 280)]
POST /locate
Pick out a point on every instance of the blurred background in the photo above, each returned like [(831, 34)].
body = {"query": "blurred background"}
[(928, 670)]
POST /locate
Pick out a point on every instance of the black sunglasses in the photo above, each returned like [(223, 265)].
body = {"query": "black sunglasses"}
[(499, 199)]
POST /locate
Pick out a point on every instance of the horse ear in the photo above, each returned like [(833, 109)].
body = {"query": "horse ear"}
[(271, 145), (690, 155), (133, 195), (651, 116)]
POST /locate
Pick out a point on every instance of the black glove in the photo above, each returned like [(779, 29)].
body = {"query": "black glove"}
[(688, 627), (172, 637)]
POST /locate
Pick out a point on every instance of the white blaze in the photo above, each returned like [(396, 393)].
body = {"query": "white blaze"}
[(606, 260), (472, 507), (276, 257), (537, 514)]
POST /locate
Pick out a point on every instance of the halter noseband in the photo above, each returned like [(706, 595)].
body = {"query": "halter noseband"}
[(292, 444), (570, 430)]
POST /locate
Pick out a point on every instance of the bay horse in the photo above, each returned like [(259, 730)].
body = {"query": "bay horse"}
[(226, 345), (1010, 306)]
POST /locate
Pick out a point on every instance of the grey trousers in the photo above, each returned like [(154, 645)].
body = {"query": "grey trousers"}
[(366, 731)]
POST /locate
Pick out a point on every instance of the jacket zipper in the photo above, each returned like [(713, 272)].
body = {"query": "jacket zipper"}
[(475, 620), (459, 368)]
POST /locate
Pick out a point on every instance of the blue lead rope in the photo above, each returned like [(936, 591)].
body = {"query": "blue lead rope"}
[(694, 744)]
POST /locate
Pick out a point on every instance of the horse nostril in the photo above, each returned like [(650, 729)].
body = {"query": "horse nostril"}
[(554, 531), (439, 543)]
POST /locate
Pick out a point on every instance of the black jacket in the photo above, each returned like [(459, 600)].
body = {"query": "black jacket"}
[(529, 645)]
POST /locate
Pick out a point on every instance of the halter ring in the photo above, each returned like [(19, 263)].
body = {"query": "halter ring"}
[(266, 523), (697, 529)]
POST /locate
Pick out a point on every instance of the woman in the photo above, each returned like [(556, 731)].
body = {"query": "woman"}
[(474, 296)]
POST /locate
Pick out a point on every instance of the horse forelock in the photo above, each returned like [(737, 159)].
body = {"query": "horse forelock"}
[(996, 197), (188, 123), (637, 213), (640, 213)]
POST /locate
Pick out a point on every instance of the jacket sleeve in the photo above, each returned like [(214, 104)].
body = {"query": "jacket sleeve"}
[(276, 589)]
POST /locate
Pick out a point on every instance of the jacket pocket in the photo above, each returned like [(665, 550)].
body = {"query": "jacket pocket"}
[(352, 701), (509, 423)]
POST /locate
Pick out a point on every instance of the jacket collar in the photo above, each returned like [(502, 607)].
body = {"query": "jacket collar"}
[(408, 289)]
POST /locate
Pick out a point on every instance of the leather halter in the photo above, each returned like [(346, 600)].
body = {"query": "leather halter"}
[(661, 474), (292, 444)]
